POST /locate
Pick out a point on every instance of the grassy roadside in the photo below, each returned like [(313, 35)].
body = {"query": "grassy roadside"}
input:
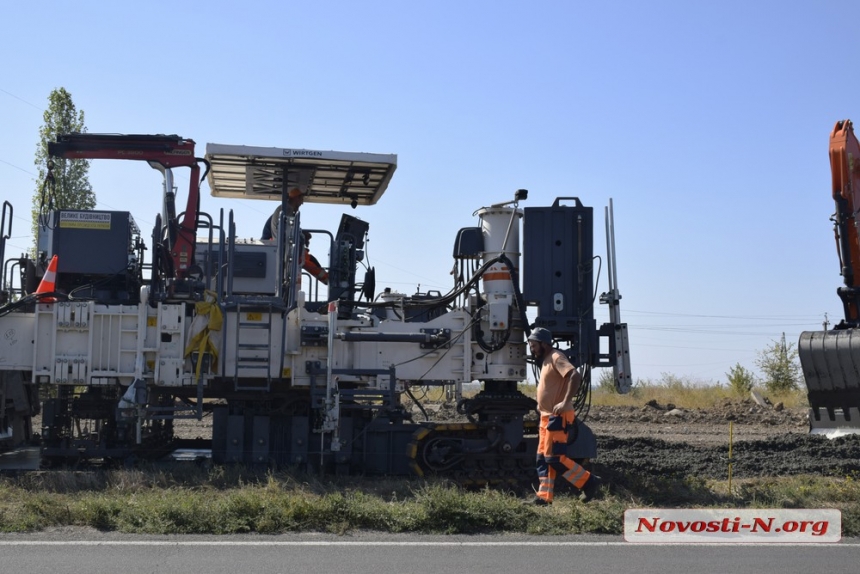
[(187, 499), (223, 501), (688, 396)]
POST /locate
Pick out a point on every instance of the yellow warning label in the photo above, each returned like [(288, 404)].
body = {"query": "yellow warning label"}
[(287, 373), (255, 316), (151, 321), (84, 225), (84, 220)]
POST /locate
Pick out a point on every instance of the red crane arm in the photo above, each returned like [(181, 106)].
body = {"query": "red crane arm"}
[(167, 151)]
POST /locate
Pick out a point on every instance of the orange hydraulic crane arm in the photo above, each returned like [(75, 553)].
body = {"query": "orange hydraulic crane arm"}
[(158, 150), (828, 358), (845, 171)]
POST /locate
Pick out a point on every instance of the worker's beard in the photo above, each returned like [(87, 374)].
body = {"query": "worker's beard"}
[(539, 355)]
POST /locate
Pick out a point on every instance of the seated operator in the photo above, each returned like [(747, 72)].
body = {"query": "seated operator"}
[(311, 264), (295, 199)]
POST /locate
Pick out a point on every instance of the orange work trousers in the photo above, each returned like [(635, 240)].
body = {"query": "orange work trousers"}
[(551, 454)]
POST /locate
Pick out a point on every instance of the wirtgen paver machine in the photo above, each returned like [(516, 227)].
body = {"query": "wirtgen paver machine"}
[(114, 349)]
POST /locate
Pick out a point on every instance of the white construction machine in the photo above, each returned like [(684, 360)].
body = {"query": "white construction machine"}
[(292, 372)]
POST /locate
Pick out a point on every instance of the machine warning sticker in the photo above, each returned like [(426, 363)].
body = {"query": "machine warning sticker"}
[(84, 220)]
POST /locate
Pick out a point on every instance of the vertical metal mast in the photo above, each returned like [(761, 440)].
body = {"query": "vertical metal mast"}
[(621, 350)]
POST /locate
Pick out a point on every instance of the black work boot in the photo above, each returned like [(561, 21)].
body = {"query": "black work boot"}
[(537, 501), (591, 489)]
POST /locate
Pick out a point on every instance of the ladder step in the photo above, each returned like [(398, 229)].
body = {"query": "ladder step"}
[(247, 387), (259, 364)]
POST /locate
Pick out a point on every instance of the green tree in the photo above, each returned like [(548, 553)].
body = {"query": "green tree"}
[(741, 380), (779, 366), (71, 187)]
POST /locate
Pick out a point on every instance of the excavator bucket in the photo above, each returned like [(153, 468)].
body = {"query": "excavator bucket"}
[(831, 367)]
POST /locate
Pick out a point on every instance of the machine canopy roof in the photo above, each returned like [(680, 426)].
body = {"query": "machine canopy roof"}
[(247, 172)]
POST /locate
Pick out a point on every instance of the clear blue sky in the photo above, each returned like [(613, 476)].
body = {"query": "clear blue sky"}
[(706, 122)]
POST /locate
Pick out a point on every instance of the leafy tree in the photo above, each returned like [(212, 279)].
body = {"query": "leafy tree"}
[(779, 366), (741, 380), (70, 188)]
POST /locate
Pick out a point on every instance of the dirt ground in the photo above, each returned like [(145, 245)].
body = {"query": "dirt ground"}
[(766, 441), (660, 440), (699, 427)]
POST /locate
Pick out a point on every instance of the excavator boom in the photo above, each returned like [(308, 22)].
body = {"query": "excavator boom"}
[(830, 360), (845, 170)]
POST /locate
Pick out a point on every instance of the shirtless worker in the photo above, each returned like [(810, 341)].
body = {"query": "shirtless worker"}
[(558, 384)]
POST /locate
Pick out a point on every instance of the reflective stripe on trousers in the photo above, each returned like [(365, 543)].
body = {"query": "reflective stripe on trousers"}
[(552, 458)]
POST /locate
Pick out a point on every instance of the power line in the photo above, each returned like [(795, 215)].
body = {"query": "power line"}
[(711, 349), (21, 99), (695, 326), (744, 317), (733, 332), (17, 167)]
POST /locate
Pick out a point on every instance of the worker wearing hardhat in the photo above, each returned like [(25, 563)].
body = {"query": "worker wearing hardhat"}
[(558, 384)]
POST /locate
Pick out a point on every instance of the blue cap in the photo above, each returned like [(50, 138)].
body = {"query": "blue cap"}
[(541, 335)]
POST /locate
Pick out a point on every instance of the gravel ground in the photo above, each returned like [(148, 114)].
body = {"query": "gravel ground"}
[(660, 440), (766, 441)]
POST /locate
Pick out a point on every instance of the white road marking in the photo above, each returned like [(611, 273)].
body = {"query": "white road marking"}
[(388, 543)]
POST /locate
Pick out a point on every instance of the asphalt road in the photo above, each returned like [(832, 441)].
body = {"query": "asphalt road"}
[(92, 553)]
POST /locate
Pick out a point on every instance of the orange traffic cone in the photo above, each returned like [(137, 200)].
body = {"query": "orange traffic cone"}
[(49, 281)]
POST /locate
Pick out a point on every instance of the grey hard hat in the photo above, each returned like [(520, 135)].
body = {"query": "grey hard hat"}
[(541, 335)]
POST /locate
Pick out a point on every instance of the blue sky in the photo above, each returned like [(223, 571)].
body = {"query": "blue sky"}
[(706, 123)]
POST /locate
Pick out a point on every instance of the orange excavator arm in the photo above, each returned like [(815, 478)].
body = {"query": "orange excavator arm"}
[(161, 151), (845, 171), (828, 358)]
